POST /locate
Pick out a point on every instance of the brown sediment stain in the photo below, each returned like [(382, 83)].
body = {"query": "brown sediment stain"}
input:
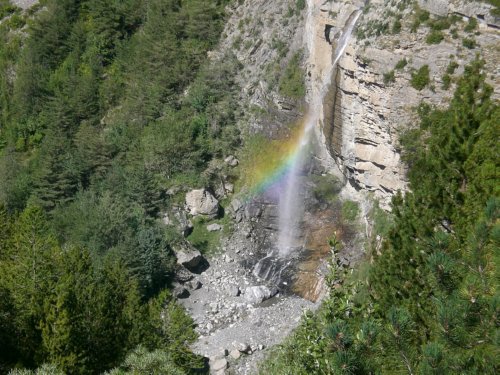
[(319, 227)]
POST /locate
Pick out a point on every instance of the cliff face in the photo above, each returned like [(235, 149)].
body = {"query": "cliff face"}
[(365, 113)]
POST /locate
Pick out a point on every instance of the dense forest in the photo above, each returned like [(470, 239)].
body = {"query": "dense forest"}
[(426, 299), (96, 125)]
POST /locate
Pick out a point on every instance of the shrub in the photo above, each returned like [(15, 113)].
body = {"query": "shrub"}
[(435, 37), (420, 78), (446, 82), (471, 25), (396, 26), (389, 77), (350, 210), (452, 66), (401, 64), (469, 43), (292, 81)]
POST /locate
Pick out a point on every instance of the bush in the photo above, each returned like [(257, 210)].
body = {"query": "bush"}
[(350, 210), (435, 37), (292, 83), (389, 77), (420, 78), (469, 43), (401, 64), (452, 66), (446, 82), (471, 25), (396, 26)]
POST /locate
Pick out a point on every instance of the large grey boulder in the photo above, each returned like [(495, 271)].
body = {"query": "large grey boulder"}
[(202, 202), (187, 255), (258, 294)]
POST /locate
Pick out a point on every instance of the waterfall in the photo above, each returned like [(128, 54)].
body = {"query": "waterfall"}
[(291, 202)]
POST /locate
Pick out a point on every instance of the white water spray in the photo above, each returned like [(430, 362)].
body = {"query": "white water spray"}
[(291, 204)]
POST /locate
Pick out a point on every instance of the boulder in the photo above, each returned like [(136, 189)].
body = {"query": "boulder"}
[(214, 227), (194, 284), (258, 294), (187, 255), (235, 354), (218, 364), (202, 202), (181, 292), (231, 161), (232, 290), (182, 274), (184, 225)]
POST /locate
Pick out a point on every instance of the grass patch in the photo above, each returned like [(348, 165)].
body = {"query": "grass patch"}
[(205, 241), (350, 210), (326, 188)]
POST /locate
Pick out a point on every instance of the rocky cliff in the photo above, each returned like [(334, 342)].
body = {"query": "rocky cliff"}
[(373, 99)]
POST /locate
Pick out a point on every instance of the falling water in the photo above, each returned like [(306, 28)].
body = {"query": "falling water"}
[(291, 204)]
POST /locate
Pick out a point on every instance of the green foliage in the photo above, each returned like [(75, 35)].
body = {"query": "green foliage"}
[(435, 37), (401, 64), (452, 66), (292, 83), (326, 188), (112, 103), (396, 26), (350, 210), (471, 25), (389, 77), (420, 78), (469, 43), (446, 81), (140, 361)]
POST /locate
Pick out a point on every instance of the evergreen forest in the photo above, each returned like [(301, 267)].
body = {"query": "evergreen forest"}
[(95, 126)]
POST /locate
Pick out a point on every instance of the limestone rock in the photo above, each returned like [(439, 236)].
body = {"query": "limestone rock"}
[(214, 227), (258, 294), (235, 354), (194, 284), (187, 255), (184, 225), (202, 202), (231, 161), (218, 364)]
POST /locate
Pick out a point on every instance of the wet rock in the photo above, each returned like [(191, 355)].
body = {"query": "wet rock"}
[(258, 294), (214, 227), (202, 202), (188, 256)]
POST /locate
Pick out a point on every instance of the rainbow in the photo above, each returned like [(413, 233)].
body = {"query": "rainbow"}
[(271, 162)]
